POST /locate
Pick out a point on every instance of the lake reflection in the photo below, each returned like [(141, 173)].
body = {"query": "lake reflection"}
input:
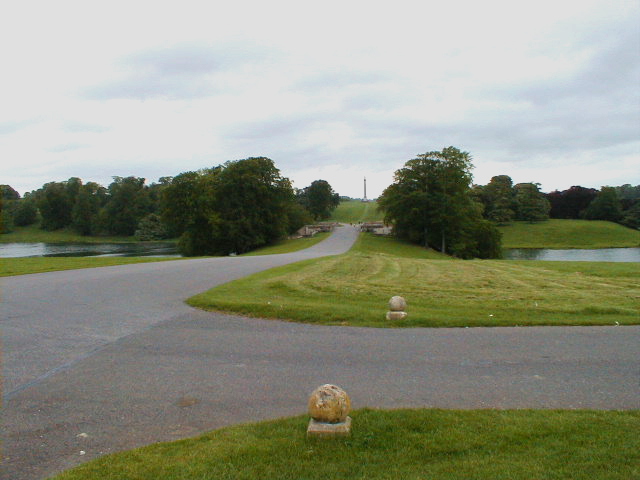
[(146, 249), (574, 255)]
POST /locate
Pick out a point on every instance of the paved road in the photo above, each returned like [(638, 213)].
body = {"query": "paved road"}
[(113, 353)]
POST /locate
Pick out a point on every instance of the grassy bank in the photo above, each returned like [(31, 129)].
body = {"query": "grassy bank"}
[(354, 288), (290, 245), (33, 234), (23, 266), (557, 233), (398, 444), (354, 211)]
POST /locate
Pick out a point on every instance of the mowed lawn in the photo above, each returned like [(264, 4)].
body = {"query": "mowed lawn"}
[(354, 289), (33, 234), (556, 233), (354, 211), (398, 445)]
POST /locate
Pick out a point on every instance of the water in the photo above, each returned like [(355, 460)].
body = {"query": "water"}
[(575, 255), (146, 249)]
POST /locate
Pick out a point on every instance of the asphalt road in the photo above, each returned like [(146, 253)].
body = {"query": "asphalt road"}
[(107, 359)]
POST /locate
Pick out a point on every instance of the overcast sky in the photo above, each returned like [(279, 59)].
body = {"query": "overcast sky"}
[(545, 91)]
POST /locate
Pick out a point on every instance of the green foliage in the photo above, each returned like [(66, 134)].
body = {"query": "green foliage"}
[(430, 203), (8, 193), (6, 220), (531, 204), (55, 204), (25, 212), (606, 206), (499, 198), (151, 228), (88, 202), (631, 217), (401, 444), (319, 199), (232, 208), (127, 204)]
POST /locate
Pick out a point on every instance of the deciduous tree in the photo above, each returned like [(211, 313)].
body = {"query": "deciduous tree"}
[(430, 203)]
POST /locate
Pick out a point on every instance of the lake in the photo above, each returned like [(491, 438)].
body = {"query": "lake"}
[(145, 249), (574, 255)]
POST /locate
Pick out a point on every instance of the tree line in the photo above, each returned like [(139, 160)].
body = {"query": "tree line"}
[(433, 202), (244, 204), (231, 208)]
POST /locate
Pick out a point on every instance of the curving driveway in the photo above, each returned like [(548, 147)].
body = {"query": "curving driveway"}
[(106, 359)]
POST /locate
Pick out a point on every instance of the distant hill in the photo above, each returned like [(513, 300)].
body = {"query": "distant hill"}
[(556, 233), (354, 211)]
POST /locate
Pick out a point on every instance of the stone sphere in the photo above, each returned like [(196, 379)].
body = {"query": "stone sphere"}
[(397, 304), (329, 404)]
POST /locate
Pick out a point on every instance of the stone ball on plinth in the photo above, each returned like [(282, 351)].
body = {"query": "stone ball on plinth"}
[(329, 404), (397, 304)]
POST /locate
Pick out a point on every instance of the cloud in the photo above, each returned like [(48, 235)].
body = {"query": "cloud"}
[(67, 147), (7, 128), (84, 127), (178, 72)]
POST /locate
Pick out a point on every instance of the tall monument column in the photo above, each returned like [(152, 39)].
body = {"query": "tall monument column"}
[(365, 189)]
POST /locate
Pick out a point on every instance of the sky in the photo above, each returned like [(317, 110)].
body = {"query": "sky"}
[(545, 91)]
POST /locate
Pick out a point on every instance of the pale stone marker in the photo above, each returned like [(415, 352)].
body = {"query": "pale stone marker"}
[(397, 307), (329, 407)]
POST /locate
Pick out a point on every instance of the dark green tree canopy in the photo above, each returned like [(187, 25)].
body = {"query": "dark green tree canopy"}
[(531, 204), (606, 206), (232, 208), (319, 199), (570, 203), (430, 203)]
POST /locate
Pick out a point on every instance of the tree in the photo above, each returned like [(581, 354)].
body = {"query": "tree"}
[(531, 205), (25, 212), (251, 205), (319, 199), (55, 205), (234, 207), (570, 203), (186, 201), (631, 216), (501, 202), (151, 228), (128, 203), (8, 197), (606, 206), (8, 193), (430, 203), (89, 200)]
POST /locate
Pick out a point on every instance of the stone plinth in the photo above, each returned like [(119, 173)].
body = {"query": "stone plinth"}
[(329, 407), (322, 429), (397, 307)]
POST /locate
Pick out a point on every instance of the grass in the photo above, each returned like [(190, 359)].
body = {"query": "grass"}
[(354, 288), (398, 444), (23, 266), (354, 211), (33, 234), (563, 234), (290, 245)]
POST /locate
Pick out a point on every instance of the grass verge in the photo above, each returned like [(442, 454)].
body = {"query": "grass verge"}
[(354, 211), (557, 233), (354, 288), (398, 444), (24, 266), (290, 245), (33, 234)]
